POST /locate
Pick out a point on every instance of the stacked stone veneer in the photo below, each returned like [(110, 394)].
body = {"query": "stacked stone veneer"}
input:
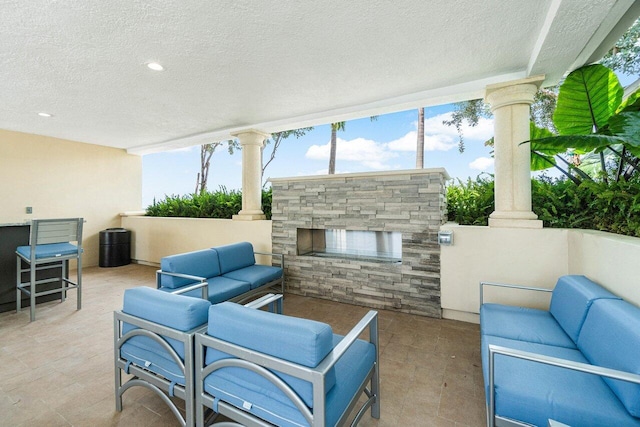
[(411, 202)]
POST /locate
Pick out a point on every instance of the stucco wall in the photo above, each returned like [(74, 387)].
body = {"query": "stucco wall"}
[(535, 258), (155, 237), (60, 178)]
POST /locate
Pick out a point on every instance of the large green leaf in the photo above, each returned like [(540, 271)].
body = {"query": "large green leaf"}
[(631, 102), (541, 161), (626, 125), (578, 143), (587, 98)]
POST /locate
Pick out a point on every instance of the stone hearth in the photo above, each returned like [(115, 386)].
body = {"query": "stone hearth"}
[(411, 202)]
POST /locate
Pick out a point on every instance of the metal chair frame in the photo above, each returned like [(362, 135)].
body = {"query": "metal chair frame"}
[(161, 386), (262, 364), (43, 232)]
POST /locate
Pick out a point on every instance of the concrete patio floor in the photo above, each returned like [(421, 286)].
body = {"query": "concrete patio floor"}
[(58, 370)]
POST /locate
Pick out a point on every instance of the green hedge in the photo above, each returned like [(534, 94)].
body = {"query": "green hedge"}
[(559, 203), (217, 204)]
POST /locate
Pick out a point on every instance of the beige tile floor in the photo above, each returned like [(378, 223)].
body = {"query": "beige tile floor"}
[(58, 370)]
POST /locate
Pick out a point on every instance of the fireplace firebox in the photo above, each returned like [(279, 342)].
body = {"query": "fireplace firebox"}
[(376, 246)]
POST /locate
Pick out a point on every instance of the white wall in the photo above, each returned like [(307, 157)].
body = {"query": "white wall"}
[(531, 257), (60, 178), (156, 237), (609, 259)]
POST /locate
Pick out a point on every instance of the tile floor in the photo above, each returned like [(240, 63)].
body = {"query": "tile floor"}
[(58, 370)]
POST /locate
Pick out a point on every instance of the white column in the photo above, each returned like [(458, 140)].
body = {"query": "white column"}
[(251, 142), (510, 104)]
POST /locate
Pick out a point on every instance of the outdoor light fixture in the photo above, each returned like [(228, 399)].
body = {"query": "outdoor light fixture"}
[(445, 237), (43, 114)]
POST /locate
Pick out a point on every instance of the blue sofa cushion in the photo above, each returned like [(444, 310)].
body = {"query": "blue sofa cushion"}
[(220, 289), (257, 275), (49, 251), (203, 263), (300, 341), (534, 392), (174, 311), (350, 372), (610, 338), (523, 324), (235, 256), (571, 299)]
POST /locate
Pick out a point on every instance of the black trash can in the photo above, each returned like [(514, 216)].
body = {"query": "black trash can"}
[(115, 247)]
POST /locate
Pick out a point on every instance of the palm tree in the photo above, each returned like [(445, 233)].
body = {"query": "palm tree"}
[(335, 127), (420, 142)]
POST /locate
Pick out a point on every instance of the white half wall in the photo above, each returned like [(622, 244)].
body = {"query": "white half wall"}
[(156, 237), (609, 259), (534, 258)]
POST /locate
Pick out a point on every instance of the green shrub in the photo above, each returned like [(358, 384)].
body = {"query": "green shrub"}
[(217, 204), (559, 203), (471, 202)]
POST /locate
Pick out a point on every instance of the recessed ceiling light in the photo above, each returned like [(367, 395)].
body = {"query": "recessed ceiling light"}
[(155, 66), (45, 114)]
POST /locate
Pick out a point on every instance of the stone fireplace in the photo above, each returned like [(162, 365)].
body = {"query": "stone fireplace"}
[(367, 239)]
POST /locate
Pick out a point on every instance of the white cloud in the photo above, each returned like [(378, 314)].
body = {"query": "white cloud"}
[(370, 154), (431, 142), (481, 163), (440, 137)]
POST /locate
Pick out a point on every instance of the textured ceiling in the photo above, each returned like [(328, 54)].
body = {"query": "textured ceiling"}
[(232, 65)]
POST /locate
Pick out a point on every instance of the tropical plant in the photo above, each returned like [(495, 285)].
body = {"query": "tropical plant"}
[(206, 152), (558, 202), (335, 127), (592, 121), (420, 141), (217, 204), (276, 139)]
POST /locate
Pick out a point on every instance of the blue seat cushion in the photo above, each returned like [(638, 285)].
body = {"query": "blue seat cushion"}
[(52, 250), (302, 341), (571, 299), (203, 263), (174, 311), (523, 324), (149, 354), (235, 256), (257, 275), (610, 338), (534, 393), (350, 372), (220, 289)]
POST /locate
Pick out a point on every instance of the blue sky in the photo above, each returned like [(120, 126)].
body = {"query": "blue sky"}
[(385, 144)]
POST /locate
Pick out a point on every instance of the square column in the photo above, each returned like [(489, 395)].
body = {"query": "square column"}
[(510, 104), (251, 142)]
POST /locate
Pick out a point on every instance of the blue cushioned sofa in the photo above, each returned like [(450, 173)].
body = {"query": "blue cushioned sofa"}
[(229, 272), (577, 363), (261, 368)]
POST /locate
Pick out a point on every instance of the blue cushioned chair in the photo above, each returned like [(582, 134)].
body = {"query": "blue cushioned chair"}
[(153, 341), (50, 247), (260, 368)]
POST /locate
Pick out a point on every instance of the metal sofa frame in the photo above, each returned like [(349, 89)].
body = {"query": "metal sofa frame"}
[(494, 420), (240, 299)]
